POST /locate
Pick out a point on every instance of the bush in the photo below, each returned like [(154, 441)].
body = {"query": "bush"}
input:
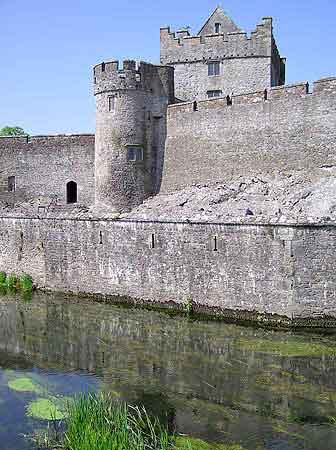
[(3, 277), (11, 281), (26, 283)]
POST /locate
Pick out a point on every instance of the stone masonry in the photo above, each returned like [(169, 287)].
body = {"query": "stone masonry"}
[(207, 179)]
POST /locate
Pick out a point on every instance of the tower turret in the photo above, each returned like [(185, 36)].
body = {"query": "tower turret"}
[(131, 106)]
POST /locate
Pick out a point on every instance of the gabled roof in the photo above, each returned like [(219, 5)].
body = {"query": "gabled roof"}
[(218, 16)]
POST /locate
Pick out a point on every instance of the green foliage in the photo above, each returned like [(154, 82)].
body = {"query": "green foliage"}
[(26, 282), (12, 131), (100, 422), (11, 281), (189, 306), (3, 277)]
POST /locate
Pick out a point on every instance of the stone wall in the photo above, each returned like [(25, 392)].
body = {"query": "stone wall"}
[(280, 130), (269, 269), (247, 63), (43, 165)]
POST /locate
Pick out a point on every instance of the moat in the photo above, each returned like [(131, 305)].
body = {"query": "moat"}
[(265, 390)]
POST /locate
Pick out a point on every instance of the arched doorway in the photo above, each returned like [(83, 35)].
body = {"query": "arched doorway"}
[(71, 192)]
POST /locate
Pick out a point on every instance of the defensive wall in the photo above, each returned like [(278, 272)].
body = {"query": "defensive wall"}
[(279, 129), (43, 165), (241, 269)]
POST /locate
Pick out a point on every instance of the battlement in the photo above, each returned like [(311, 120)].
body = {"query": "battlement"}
[(128, 75), (180, 46), (324, 86)]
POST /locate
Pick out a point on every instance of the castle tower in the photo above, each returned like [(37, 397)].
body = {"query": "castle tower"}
[(221, 59), (131, 105)]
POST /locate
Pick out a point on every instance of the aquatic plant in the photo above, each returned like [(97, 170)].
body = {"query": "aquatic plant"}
[(24, 384), (287, 348), (98, 421), (190, 443), (26, 282), (50, 408)]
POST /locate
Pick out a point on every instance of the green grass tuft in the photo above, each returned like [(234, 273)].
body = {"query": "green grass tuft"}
[(98, 421)]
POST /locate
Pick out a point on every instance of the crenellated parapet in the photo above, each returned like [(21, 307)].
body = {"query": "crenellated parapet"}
[(114, 76), (324, 86), (180, 46)]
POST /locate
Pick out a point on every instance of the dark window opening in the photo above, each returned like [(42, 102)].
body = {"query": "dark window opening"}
[(134, 153), (71, 192), (103, 67), (217, 28), (215, 249), (11, 184), (228, 100), (195, 106), (153, 241), (216, 93), (265, 94), (100, 237), (213, 68)]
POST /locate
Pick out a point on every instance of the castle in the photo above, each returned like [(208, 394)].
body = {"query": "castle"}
[(207, 177)]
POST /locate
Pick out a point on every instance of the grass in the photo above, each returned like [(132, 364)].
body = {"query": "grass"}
[(99, 422)]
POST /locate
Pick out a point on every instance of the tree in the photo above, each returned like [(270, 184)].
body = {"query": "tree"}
[(12, 131)]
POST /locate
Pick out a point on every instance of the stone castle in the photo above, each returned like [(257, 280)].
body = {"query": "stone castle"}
[(207, 178)]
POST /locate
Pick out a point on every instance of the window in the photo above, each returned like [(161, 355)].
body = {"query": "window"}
[(11, 184), (213, 68), (111, 102), (134, 153), (71, 192), (212, 94), (217, 28)]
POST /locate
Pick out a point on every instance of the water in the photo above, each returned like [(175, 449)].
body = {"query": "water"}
[(264, 390)]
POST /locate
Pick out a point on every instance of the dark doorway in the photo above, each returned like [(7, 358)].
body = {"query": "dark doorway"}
[(71, 192)]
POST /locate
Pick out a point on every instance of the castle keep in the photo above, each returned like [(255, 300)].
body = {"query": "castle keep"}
[(207, 178)]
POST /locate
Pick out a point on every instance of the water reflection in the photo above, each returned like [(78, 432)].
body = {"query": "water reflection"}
[(262, 389)]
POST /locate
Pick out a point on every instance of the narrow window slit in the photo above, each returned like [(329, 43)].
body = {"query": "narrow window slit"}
[(195, 106), (100, 237), (153, 241), (215, 244), (228, 100)]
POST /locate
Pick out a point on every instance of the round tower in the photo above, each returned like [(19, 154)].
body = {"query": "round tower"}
[(126, 100)]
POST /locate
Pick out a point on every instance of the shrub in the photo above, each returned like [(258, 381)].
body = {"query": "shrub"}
[(11, 281), (3, 277), (26, 283)]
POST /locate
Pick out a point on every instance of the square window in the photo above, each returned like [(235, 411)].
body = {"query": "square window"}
[(213, 68), (111, 102), (216, 93), (134, 153)]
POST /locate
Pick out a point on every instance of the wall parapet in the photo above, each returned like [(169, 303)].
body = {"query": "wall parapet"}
[(300, 90), (180, 46)]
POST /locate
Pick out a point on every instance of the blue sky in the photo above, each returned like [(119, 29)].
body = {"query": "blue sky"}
[(48, 48)]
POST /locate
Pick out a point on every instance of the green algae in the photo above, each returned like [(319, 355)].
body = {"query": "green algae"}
[(50, 408), (24, 384), (287, 348), (190, 443)]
